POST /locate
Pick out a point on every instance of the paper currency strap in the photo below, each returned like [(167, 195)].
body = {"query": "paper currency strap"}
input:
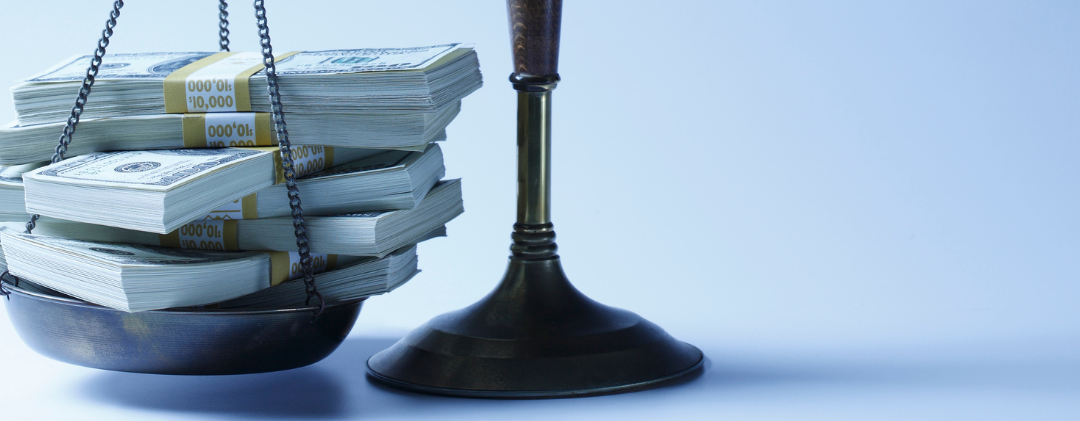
[(221, 235), (219, 130), (217, 83), (211, 235), (245, 208), (307, 159), (285, 265)]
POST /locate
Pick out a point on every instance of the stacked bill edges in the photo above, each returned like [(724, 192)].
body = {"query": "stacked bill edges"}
[(173, 192)]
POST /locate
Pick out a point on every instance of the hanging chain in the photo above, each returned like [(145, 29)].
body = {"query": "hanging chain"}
[(223, 25), (4, 291), (279, 123), (286, 159), (84, 92)]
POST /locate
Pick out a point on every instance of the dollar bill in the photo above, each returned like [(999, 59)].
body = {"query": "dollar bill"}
[(387, 180), (407, 82), (132, 277), (361, 279), (127, 254), (355, 234), (158, 170), (159, 65), (24, 144), (11, 175), (120, 66), (154, 191)]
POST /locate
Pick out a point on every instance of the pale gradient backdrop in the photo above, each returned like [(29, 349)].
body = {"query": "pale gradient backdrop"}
[(858, 210)]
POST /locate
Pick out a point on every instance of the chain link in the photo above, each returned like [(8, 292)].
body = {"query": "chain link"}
[(84, 93), (287, 160), (4, 291), (223, 25)]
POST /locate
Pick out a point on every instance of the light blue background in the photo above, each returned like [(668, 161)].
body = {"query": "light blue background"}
[(858, 210)]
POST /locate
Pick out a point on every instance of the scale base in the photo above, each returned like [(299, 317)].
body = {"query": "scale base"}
[(535, 336)]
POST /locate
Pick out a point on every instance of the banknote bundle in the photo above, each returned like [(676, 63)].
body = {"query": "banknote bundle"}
[(163, 189), (123, 277), (22, 144), (385, 180), (353, 82), (360, 279), (139, 278), (340, 280), (160, 190), (375, 233), (174, 191)]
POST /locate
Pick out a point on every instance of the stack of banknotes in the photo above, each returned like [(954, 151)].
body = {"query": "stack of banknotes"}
[(172, 193)]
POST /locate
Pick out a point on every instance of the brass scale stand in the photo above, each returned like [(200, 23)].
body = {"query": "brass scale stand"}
[(534, 336)]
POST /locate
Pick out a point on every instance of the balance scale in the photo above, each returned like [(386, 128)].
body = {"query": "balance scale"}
[(534, 336)]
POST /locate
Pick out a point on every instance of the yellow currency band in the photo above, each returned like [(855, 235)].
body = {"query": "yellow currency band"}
[(249, 206), (194, 129), (176, 96), (331, 262), (280, 265), (279, 170), (230, 239), (280, 262), (249, 209)]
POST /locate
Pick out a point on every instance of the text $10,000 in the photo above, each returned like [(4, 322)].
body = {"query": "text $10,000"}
[(202, 236), (317, 263)]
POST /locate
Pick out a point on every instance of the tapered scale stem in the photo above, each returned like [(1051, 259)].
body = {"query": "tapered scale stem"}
[(534, 158), (534, 36), (534, 235)]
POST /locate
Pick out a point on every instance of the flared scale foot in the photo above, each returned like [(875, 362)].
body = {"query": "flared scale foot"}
[(535, 336)]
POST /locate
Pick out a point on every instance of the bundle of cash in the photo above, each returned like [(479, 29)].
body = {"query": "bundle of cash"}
[(362, 81), (134, 278), (388, 181), (357, 279), (173, 193), (161, 190), (137, 278), (22, 144), (384, 181), (357, 234), (362, 279)]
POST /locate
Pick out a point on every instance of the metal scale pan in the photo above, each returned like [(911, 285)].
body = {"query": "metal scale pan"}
[(203, 342)]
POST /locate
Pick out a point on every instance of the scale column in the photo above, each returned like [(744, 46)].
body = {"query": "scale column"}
[(534, 38), (535, 335), (534, 235)]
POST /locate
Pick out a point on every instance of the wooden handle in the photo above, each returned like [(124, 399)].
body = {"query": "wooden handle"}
[(534, 36)]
